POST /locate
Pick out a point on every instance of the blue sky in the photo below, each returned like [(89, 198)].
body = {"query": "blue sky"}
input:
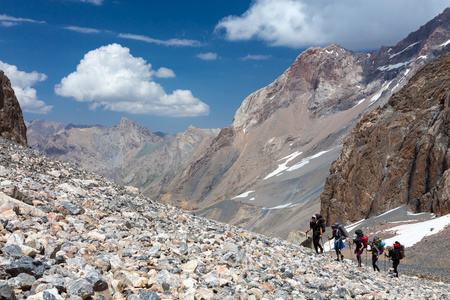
[(170, 64)]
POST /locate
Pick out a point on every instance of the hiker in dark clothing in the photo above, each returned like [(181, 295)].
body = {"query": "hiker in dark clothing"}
[(338, 241), (317, 233), (359, 248), (394, 254)]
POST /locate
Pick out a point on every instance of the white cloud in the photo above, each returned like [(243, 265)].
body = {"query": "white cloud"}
[(95, 2), (353, 24), (110, 77), (256, 57), (8, 21), (165, 73), (21, 83), (82, 29), (171, 42), (207, 56)]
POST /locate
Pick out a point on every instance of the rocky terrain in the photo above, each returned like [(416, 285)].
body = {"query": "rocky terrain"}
[(69, 234), (398, 154), (12, 125)]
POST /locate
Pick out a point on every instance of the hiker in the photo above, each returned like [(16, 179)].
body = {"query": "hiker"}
[(339, 237), (377, 248), (317, 233), (359, 240), (395, 253)]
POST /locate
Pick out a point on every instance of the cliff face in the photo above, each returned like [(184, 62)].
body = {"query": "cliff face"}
[(397, 154), (12, 126)]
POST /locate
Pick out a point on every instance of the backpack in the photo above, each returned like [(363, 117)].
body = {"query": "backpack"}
[(400, 248), (377, 242), (342, 229), (321, 221), (364, 241)]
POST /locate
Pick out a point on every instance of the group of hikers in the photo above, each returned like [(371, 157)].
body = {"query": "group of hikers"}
[(318, 226)]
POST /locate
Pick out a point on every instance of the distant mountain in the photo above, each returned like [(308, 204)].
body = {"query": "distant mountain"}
[(96, 148), (12, 126), (128, 153), (267, 170), (398, 154)]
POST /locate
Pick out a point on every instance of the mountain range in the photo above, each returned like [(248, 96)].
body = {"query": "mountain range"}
[(267, 170)]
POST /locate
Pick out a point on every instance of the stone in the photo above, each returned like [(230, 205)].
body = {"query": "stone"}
[(6, 291), (73, 209), (12, 250), (97, 281), (190, 266), (80, 287), (22, 281)]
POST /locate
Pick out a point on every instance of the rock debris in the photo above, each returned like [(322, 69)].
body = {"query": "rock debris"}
[(69, 234)]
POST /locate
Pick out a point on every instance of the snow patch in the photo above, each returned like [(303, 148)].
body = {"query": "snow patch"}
[(281, 206), (395, 66), (409, 47), (359, 102), (305, 161), (283, 166), (380, 92), (243, 195), (445, 44), (410, 234)]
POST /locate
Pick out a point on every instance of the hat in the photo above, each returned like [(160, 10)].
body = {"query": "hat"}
[(333, 226), (313, 216)]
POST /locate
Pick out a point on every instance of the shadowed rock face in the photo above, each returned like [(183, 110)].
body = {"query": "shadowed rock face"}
[(398, 154), (12, 126)]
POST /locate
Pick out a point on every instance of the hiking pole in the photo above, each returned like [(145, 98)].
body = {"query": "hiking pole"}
[(323, 245), (329, 242), (366, 256)]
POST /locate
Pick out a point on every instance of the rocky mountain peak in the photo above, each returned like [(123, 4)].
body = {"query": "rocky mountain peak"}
[(12, 126)]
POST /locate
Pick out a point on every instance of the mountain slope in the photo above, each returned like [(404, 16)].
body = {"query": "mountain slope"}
[(299, 120), (398, 154)]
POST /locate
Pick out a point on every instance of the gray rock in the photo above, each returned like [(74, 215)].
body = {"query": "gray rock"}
[(6, 291), (81, 288), (97, 281), (73, 209), (148, 295), (23, 281), (13, 251)]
